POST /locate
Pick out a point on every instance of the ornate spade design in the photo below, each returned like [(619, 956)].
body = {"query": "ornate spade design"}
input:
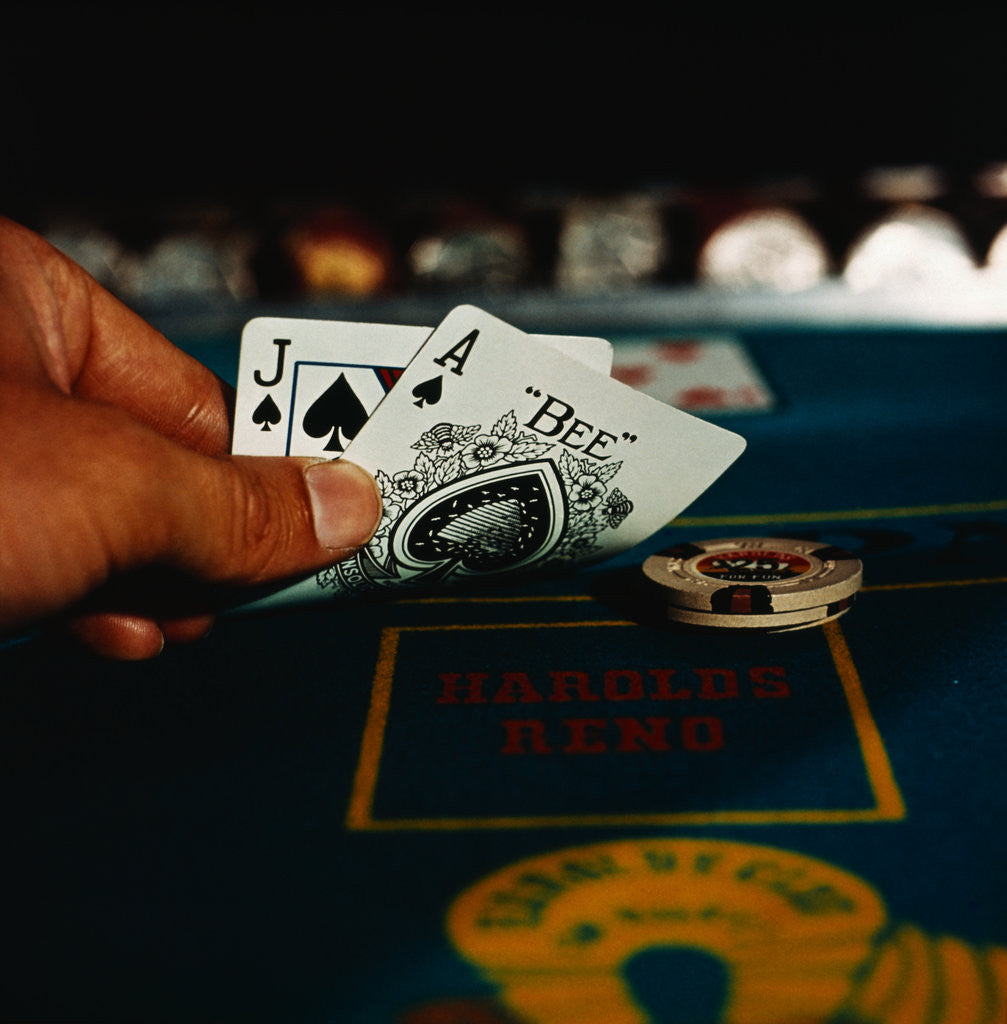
[(493, 521)]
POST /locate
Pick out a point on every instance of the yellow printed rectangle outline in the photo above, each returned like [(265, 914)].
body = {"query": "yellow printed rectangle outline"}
[(888, 803)]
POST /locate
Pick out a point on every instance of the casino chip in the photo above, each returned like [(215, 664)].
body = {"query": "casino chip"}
[(774, 622), (755, 582), (468, 246), (774, 249), (610, 244), (913, 245), (338, 252)]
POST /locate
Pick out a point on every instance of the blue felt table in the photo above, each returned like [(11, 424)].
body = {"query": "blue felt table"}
[(286, 821)]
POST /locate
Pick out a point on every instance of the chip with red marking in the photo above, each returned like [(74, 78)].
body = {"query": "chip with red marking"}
[(754, 576), (775, 622)]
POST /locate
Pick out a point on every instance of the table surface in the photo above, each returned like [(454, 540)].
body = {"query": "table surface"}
[(538, 802)]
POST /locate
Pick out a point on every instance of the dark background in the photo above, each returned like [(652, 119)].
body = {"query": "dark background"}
[(156, 105)]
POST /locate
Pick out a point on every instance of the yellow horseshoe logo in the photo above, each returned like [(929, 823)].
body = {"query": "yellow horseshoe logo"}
[(800, 939)]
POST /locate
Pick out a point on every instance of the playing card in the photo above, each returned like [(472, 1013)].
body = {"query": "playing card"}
[(306, 387), (700, 374), (495, 453)]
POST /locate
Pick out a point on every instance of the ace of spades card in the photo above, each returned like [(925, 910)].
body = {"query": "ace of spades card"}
[(495, 453), (306, 387)]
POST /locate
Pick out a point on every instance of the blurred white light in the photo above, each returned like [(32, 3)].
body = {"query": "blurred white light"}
[(915, 246), (769, 249)]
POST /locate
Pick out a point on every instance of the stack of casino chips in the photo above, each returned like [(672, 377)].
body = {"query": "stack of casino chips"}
[(770, 584)]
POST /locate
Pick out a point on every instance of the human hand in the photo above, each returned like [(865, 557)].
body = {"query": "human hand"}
[(116, 489)]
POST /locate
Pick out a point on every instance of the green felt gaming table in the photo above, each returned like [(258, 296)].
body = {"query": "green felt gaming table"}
[(541, 802)]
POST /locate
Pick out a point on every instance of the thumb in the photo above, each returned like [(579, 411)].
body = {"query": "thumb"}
[(97, 497), (247, 520)]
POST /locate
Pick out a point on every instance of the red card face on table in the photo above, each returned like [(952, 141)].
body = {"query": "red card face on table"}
[(697, 374)]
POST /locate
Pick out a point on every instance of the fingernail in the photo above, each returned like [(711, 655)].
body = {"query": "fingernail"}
[(345, 504)]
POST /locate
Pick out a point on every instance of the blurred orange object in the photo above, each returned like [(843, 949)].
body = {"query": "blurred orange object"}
[(338, 252)]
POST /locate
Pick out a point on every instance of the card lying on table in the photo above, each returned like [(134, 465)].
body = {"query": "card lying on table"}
[(497, 453)]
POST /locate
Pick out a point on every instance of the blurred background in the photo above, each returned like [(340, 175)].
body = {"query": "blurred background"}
[(211, 161)]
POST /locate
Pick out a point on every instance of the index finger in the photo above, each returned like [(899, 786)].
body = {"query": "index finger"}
[(112, 355), (132, 365)]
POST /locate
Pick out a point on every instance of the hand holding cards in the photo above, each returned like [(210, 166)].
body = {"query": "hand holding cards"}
[(495, 451)]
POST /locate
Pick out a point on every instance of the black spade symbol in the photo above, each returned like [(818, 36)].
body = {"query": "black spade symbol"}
[(337, 410), (493, 521), (429, 392), (266, 413)]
